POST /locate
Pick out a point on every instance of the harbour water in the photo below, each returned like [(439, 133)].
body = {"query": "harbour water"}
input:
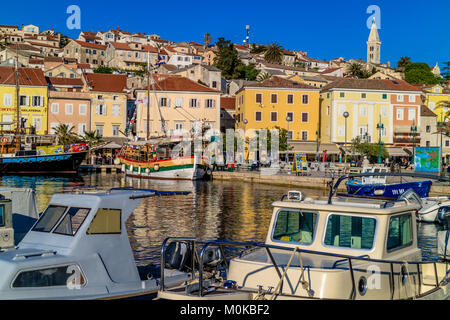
[(224, 210)]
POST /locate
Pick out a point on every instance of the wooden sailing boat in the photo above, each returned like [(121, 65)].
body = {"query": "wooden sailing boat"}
[(23, 152), (152, 158)]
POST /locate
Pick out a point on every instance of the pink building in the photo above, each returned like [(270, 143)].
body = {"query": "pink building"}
[(71, 108)]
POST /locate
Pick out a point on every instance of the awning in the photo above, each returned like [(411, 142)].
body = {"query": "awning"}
[(311, 148), (109, 145), (397, 152)]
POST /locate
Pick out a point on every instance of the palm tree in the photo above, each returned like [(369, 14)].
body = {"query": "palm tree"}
[(207, 39), (263, 76), (65, 134), (401, 64), (92, 139), (274, 53), (355, 69)]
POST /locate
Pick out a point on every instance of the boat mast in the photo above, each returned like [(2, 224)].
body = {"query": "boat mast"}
[(18, 127), (148, 95)]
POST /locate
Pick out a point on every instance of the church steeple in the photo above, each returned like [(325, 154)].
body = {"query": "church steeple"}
[(374, 45)]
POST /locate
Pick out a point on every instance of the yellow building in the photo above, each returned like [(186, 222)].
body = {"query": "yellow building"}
[(108, 103), (435, 97), (32, 98), (278, 102), (177, 105), (370, 109)]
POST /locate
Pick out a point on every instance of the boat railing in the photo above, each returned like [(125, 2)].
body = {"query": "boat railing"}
[(198, 268)]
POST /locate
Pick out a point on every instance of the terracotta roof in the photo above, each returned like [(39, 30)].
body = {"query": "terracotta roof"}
[(228, 102), (27, 76), (106, 82), (90, 45), (178, 83), (277, 82), (240, 47), (36, 61), (55, 81), (329, 70), (6, 26), (53, 59), (23, 46), (371, 84), (426, 112), (83, 66)]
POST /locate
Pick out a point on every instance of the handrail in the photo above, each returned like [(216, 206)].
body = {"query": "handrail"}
[(365, 258)]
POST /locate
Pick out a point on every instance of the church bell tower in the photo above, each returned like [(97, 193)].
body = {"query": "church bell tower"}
[(374, 45)]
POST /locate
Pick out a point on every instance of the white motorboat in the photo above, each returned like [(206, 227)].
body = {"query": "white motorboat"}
[(79, 249), (430, 208), (335, 248)]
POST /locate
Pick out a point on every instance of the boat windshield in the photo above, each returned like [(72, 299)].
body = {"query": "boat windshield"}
[(350, 232), (295, 226), (49, 218), (70, 220), (2, 217)]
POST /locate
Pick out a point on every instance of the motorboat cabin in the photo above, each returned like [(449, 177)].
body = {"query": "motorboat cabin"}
[(79, 249), (336, 248)]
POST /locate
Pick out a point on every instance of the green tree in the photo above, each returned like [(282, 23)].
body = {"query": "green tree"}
[(355, 69), (274, 53), (257, 49), (247, 72), (103, 69), (371, 150), (92, 139), (403, 62), (263, 76), (207, 39), (299, 64), (420, 73), (227, 59), (446, 70), (65, 134)]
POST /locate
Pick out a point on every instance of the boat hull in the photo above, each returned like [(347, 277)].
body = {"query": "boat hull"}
[(57, 163), (180, 169), (422, 188)]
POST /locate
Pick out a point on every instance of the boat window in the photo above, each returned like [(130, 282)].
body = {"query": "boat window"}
[(400, 232), (2, 215), (69, 276), (350, 232), (49, 218), (106, 221), (295, 226), (72, 221)]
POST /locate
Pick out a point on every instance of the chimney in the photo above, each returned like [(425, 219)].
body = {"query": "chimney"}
[(389, 64)]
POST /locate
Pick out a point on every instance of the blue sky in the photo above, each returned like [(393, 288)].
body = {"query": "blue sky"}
[(325, 29)]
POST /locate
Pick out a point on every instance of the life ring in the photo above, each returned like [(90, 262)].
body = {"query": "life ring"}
[(156, 167), (4, 140)]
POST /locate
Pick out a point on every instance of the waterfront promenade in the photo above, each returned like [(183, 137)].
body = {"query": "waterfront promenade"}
[(315, 180)]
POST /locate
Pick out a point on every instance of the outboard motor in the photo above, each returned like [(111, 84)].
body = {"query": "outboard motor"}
[(212, 257), (444, 235), (178, 256)]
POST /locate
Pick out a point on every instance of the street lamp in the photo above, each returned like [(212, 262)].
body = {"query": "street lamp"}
[(288, 119), (441, 125), (317, 145), (346, 115), (245, 123), (380, 127), (414, 131)]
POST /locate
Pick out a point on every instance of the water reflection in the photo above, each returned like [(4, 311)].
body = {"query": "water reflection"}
[(223, 210)]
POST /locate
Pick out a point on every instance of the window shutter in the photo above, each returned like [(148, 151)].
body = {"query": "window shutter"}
[(41, 101), (27, 100)]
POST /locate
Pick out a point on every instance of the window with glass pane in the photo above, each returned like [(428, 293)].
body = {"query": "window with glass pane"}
[(295, 226), (350, 232), (49, 218), (400, 232), (49, 277), (106, 221), (72, 221)]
